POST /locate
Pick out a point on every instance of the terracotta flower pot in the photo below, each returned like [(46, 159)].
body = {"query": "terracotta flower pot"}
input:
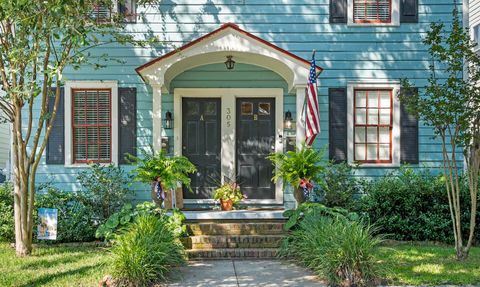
[(298, 195), (226, 205)]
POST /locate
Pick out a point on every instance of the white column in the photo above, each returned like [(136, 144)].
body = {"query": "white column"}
[(157, 117), (228, 149), (300, 121)]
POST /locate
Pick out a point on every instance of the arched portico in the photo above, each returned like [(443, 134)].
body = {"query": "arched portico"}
[(228, 40)]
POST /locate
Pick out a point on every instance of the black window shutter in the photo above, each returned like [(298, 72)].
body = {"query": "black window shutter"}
[(408, 11), (127, 123), (337, 132), (55, 151), (338, 11), (408, 132)]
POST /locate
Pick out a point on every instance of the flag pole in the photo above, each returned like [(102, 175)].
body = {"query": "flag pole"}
[(305, 99)]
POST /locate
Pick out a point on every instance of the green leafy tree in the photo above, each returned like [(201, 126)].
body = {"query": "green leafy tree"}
[(451, 105), (38, 40)]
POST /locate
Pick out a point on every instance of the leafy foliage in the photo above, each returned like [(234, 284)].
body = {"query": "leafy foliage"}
[(170, 169), (295, 216), (128, 214), (228, 191), (105, 189), (336, 248), (303, 163), (6, 212), (145, 251), (451, 105), (76, 220), (339, 186), (409, 205), (40, 39)]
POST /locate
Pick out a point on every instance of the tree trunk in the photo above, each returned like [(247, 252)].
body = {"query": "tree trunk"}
[(23, 238)]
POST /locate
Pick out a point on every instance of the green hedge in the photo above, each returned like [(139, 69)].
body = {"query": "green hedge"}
[(408, 205), (6, 213), (76, 220)]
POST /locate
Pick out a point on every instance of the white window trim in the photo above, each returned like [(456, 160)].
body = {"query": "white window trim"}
[(395, 86), (475, 38), (69, 85), (395, 16)]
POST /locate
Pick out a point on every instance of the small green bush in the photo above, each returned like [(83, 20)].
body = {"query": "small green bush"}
[(339, 187), (105, 189), (335, 248), (76, 220), (409, 205), (6, 213), (295, 216), (146, 251), (128, 213)]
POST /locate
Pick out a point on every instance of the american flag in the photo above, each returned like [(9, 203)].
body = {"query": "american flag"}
[(313, 115)]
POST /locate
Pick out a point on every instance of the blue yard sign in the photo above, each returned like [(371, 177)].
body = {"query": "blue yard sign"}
[(47, 227)]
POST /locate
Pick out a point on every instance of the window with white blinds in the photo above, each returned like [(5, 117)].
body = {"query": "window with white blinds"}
[(92, 125), (126, 8), (372, 11)]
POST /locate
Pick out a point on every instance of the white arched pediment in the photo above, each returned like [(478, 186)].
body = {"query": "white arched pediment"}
[(215, 46)]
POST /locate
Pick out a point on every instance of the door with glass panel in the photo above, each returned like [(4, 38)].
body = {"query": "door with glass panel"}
[(201, 144), (255, 133)]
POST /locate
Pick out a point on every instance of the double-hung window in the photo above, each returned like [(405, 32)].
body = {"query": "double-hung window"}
[(373, 124), (126, 9), (92, 125), (372, 11)]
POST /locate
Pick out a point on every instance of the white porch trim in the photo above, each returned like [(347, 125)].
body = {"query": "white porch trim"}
[(228, 122), (228, 40)]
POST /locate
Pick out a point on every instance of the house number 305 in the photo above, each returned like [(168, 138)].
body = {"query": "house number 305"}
[(228, 117)]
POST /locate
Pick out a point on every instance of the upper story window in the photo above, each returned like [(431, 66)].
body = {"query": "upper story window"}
[(476, 35), (373, 124), (92, 125), (126, 8), (372, 11)]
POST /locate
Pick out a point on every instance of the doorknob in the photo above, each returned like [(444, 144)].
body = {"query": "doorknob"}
[(184, 147)]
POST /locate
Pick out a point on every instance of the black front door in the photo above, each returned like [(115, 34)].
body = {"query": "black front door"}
[(255, 132), (201, 144)]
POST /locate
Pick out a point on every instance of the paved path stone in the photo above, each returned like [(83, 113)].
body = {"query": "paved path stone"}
[(243, 273)]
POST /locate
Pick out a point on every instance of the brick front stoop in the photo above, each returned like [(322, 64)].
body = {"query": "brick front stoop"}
[(234, 239)]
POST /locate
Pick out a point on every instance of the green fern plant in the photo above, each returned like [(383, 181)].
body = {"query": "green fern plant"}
[(303, 163), (170, 169)]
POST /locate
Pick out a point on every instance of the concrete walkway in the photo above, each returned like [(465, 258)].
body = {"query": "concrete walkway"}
[(243, 273)]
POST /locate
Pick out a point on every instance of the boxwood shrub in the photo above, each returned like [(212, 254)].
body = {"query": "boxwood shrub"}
[(409, 205)]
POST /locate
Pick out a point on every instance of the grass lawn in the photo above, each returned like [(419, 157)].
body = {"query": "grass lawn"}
[(53, 266), (85, 266), (429, 265)]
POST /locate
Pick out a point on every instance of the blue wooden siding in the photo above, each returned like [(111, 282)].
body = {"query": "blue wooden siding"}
[(299, 26)]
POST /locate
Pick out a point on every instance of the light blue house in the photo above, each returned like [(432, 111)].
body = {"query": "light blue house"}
[(231, 74)]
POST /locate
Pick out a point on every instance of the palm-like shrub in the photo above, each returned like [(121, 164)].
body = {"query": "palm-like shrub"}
[(170, 169), (145, 252), (336, 248), (293, 166)]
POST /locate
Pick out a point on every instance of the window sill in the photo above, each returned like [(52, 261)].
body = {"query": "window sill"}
[(381, 165), (373, 24), (85, 165)]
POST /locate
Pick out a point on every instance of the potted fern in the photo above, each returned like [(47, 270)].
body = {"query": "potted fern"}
[(229, 195), (163, 172), (299, 168)]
